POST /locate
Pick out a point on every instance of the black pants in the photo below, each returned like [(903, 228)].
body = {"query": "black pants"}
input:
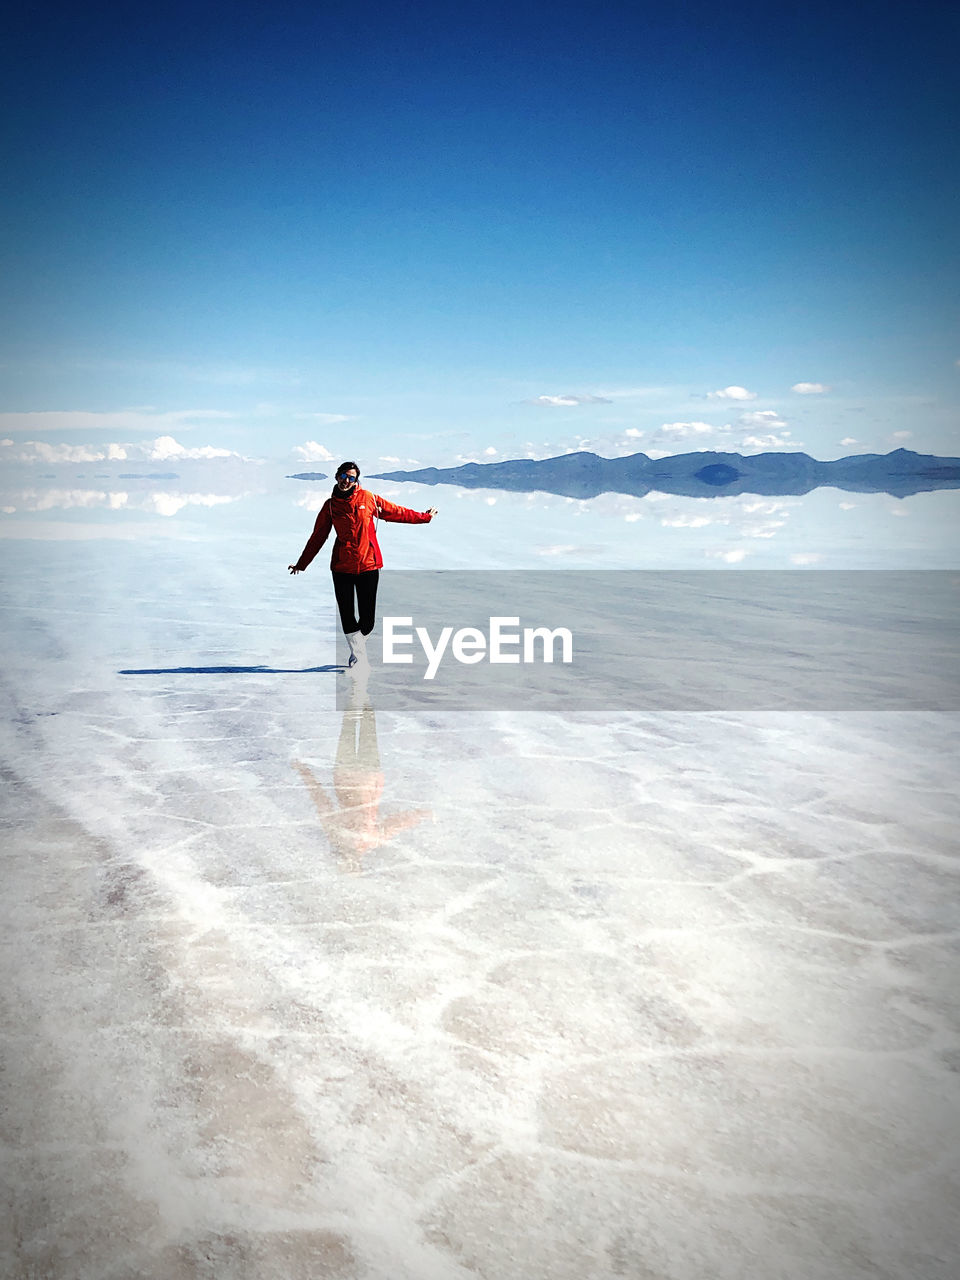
[(362, 614)]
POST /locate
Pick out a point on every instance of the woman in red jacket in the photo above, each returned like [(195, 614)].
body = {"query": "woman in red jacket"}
[(356, 560)]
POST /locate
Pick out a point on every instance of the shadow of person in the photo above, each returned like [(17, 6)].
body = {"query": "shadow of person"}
[(353, 824)]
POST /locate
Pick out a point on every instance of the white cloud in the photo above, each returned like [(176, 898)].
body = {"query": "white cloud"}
[(763, 529), (809, 388), (806, 557), (634, 433), (163, 449), (847, 506), (490, 451), (682, 429), (312, 499), (567, 401), (769, 442), (64, 499), (387, 459), (902, 435), (6, 443), (311, 451), (686, 522), (324, 419), (168, 504), (159, 502), (40, 451), (730, 557), (732, 393), (122, 420), (762, 418), (848, 440), (750, 506)]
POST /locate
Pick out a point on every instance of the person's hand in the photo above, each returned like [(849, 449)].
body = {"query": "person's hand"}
[(293, 568), (432, 512)]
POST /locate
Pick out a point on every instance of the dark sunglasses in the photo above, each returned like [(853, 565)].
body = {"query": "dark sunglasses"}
[(347, 475)]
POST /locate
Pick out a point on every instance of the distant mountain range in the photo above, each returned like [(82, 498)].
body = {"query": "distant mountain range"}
[(148, 475), (704, 474)]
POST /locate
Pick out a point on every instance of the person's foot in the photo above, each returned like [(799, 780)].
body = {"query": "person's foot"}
[(358, 650)]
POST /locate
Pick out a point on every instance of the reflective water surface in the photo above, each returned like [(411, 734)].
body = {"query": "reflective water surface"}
[(293, 990)]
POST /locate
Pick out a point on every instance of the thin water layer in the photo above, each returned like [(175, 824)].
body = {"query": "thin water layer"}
[(297, 990)]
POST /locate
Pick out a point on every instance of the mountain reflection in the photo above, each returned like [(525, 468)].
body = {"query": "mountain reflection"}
[(701, 475)]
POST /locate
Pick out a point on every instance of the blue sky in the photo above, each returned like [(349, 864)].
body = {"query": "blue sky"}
[(429, 232)]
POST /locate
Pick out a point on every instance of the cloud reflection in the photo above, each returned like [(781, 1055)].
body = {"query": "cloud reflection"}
[(157, 502)]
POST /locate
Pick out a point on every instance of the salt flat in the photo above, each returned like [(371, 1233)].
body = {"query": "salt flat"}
[(290, 991)]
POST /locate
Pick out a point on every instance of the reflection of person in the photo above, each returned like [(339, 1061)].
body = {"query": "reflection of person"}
[(356, 560), (353, 825)]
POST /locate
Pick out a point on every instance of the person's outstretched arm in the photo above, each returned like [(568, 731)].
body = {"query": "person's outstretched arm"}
[(402, 515), (324, 804), (391, 827), (321, 531)]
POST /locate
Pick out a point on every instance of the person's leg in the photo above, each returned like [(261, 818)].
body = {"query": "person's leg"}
[(367, 599), (343, 587), (368, 748), (347, 744)]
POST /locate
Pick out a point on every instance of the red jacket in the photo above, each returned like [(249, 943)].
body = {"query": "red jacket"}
[(352, 516)]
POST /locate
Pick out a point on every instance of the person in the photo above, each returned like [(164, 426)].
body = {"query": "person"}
[(356, 559), (354, 824)]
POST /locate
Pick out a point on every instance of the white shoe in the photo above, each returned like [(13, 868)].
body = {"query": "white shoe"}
[(358, 652)]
